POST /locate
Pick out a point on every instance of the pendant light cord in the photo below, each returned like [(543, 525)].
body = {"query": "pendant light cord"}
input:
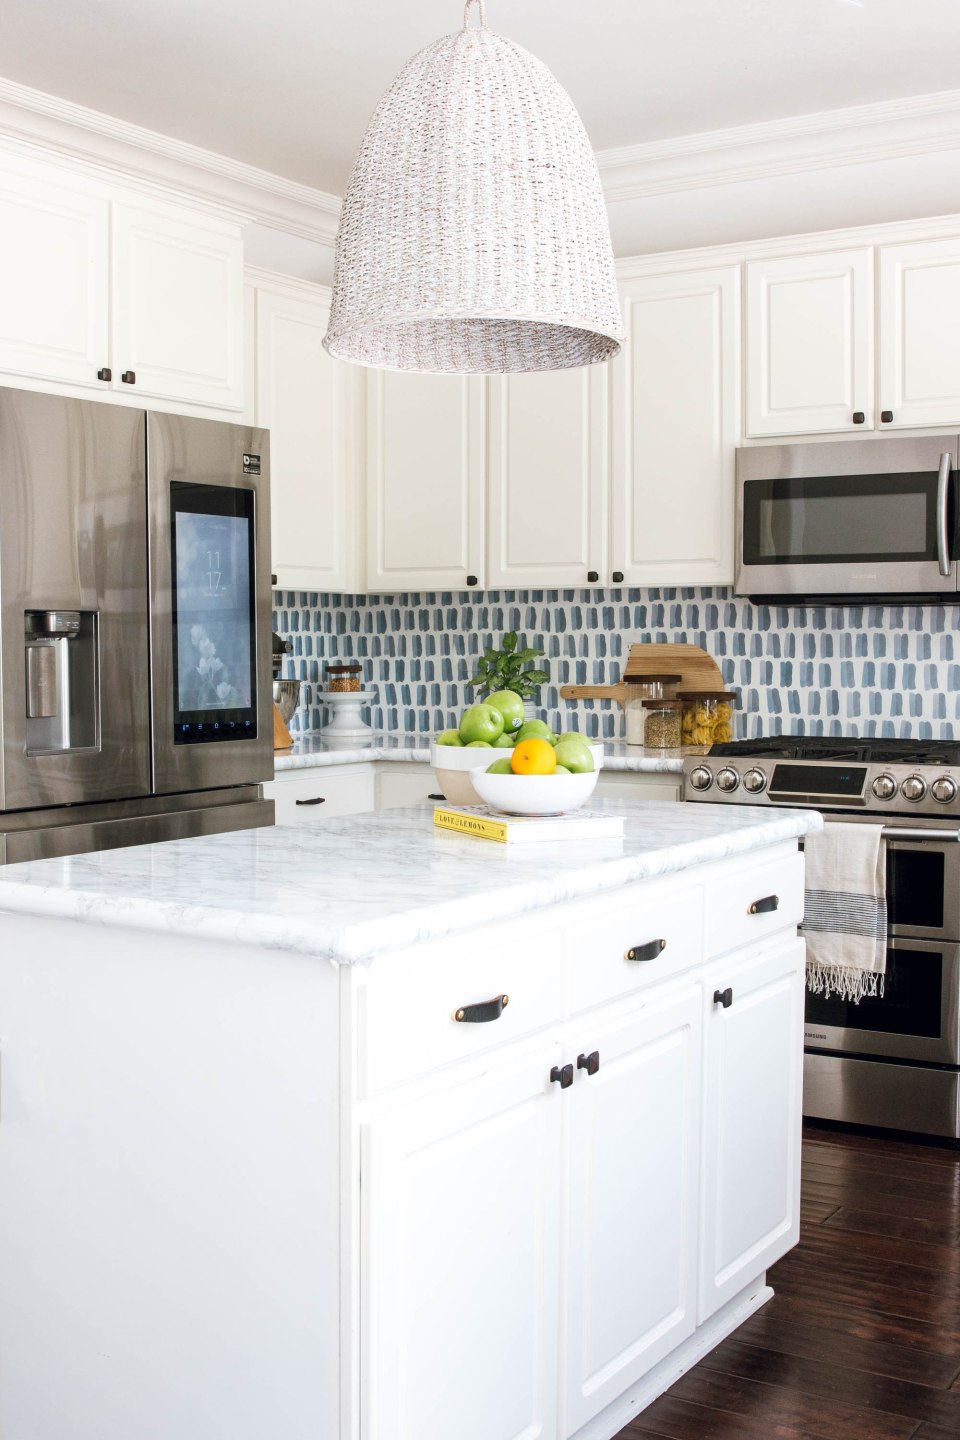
[(466, 14)]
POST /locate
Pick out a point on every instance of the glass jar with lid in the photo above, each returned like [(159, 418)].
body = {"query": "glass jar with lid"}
[(638, 689), (662, 724), (345, 677), (707, 716)]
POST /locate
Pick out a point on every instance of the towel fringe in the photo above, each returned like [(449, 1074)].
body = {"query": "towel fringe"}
[(845, 981)]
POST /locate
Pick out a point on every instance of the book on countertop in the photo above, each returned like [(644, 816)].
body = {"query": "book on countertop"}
[(489, 824)]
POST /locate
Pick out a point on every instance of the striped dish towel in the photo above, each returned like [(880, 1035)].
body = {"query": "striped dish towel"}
[(845, 915)]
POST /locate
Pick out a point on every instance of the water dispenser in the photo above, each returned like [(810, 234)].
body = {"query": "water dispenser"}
[(60, 651)]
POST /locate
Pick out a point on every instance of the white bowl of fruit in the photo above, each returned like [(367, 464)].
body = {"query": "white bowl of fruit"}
[(497, 725)]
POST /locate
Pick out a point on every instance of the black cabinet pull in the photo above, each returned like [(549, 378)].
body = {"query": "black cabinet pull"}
[(617, 576), (129, 377), (317, 800), (471, 579), (762, 907), (650, 951), (858, 417), (563, 1078), (105, 374), (436, 797), (483, 1012), (590, 1063), (593, 575), (886, 416), (723, 997)]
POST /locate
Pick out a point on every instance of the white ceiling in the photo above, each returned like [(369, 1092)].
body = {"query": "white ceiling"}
[(288, 85)]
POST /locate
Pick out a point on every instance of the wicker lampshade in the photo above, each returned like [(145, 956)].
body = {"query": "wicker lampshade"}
[(474, 236)]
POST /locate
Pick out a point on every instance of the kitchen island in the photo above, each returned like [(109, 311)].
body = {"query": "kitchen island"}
[(368, 1131)]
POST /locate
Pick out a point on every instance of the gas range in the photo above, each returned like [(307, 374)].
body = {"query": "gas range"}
[(917, 778)]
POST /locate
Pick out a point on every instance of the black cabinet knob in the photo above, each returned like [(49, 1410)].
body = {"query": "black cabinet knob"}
[(723, 997), (105, 374), (471, 579), (886, 416), (617, 576), (649, 951), (858, 417), (592, 576), (483, 1012), (563, 1078), (590, 1063), (129, 377)]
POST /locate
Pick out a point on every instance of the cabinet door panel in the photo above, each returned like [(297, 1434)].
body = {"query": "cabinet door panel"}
[(320, 795), (309, 402), (459, 1261), (179, 310), (919, 355), (753, 1051), (809, 343), (426, 459), (634, 1172), (54, 273), (676, 428), (548, 477)]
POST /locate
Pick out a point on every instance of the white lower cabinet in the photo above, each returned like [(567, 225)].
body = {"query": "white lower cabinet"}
[(753, 1076), (633, 1193), (460, 1211), (320, 794), (404, 784)]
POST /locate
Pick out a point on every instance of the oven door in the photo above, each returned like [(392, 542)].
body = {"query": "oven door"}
[(867, 518), (918, 1017)]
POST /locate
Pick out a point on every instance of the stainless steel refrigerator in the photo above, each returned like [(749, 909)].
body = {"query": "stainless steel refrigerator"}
[(135, 637)]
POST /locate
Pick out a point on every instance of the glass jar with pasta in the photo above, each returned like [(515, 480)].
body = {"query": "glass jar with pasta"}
[(707, 716)]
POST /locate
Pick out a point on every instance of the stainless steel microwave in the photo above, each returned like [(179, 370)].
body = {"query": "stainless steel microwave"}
[(864, 518)]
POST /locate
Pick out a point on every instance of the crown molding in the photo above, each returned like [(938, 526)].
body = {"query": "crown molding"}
[(290, 285), (131, 152), (888, 130)]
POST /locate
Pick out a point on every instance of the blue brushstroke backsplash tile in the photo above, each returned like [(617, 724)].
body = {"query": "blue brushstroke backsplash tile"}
[(890, 670)]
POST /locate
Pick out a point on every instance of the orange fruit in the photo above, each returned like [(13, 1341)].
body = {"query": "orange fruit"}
[(533, 757)]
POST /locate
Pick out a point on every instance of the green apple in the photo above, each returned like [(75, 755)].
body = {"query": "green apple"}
[(562, 770), (506, 741), (534, 730), (575, 755), (479, 745), (510, 705), (449, 737), (500, 767), (481, 722), (573, 735)]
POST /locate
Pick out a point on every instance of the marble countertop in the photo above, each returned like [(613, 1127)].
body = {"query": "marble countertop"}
[(347, 888), (312, 751)]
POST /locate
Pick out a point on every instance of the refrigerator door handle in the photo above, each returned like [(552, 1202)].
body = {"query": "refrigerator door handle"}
[(943, 493)]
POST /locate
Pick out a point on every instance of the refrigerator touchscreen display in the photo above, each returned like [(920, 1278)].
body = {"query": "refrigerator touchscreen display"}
[(213, 613)]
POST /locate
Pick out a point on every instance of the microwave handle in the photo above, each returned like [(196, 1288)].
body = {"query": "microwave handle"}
[(943, 487)]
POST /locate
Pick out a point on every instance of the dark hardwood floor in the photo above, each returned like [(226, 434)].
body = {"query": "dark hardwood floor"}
[(862, 1338)]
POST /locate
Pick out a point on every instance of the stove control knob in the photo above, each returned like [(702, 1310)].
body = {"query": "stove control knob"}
[(754, 781), (727, 779), (944, 790), (701, 778), (913, 788), (884, 787)]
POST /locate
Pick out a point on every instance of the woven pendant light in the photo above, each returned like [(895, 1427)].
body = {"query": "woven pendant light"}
[(474, 236)]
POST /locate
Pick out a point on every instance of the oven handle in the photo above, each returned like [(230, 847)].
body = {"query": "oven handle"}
[(897, 832), (943, 484)]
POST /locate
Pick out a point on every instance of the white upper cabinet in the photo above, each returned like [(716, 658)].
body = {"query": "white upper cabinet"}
[(549, 474), (426, 476), (676, 425), (54, 301), (96, 285), (310, 404), (809, 343), (178, 314), (919, 355)]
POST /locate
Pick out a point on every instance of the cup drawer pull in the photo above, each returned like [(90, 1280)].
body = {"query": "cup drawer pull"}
[(762, 907), (650, 951), (482, 1012), (317, 800)]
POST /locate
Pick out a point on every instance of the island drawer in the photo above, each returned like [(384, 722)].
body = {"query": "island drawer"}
[(630, 941), (320, 793), (756, 902), (407, 1004)]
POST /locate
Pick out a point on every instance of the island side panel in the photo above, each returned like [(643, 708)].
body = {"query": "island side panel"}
[(169, 1201)]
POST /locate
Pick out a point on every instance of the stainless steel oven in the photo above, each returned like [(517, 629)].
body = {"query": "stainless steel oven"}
[(857, 518)]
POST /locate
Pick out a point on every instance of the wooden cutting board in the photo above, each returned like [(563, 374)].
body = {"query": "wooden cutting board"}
[(282, 739), (698, 671)]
